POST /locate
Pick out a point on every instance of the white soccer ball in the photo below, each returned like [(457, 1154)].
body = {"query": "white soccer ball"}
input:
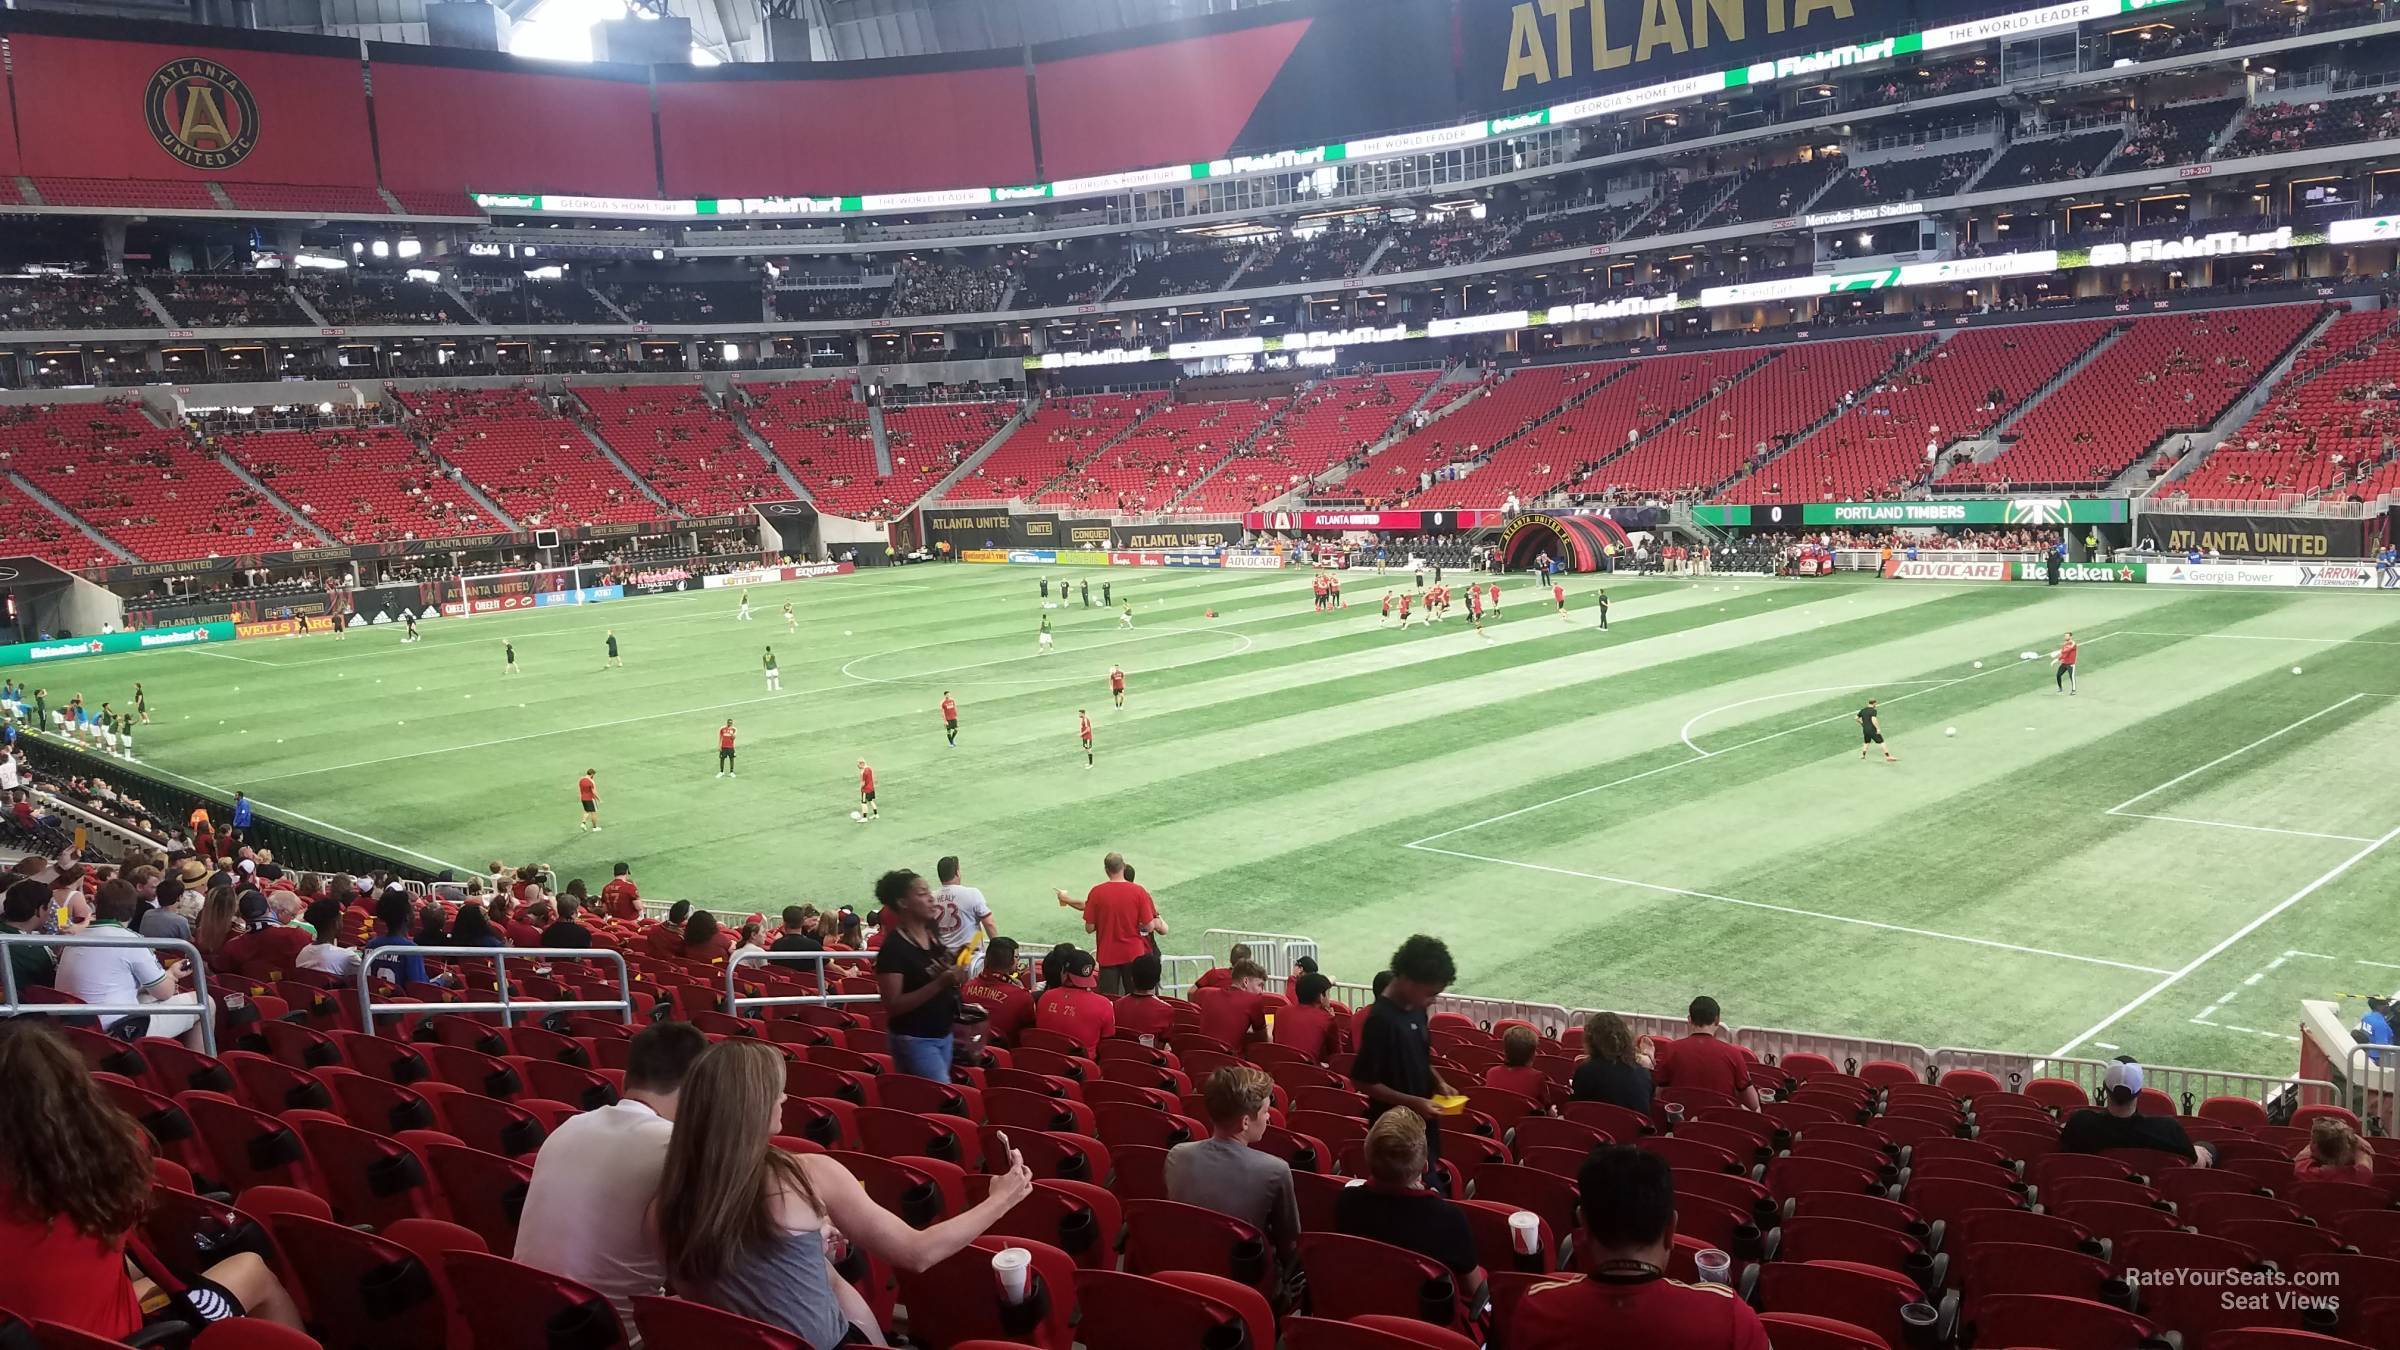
[(1949, 731), (858, 815), (845, 632), (2026, 656), (2295, 670), (1979, 665)]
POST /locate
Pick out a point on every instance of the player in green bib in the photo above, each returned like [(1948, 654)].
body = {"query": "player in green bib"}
[(774, 675)]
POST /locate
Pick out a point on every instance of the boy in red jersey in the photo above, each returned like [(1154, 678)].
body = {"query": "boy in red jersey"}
[(1236, 1012), (1628, 1209), (1558, 594), (1334, 593), (1072, 1007), (1495, 601), (1116, 684), (1309, 1026), (1085, 728), (866, 793), (1387, 610), (1143, 1012), (1404, 603), (2066, 665), (1006, 1005), (725, 749), (950, 718), (588, 792)]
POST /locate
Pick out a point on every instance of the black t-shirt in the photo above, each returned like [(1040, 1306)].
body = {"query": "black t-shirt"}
[(2091, 1130), (1394, 1050), (1866, 719), (797, 942), (1626, 1085), (917, 967), (566, 933), (1420, 1221)]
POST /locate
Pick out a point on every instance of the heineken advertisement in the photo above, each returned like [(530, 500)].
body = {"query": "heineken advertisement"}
[(1966, 511), (143, 640), (2116, 572)]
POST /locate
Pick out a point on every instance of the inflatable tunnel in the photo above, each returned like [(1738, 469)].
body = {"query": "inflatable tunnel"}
[(1578, 542)]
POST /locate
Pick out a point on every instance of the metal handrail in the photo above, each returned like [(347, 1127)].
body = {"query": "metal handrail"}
[(736, 1000), (203, 1008), (508, 1007)]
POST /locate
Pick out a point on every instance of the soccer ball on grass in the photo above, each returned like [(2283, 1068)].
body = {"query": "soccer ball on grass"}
[(858, 815)]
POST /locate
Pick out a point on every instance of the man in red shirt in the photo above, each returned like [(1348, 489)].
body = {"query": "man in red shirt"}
[(621, 898), (520, 932), (1308, 1026), (1495, 599), (1116, 684), (1236, 1013), (1628, 1209), (1007, 1008), (950, 718), (866, 793), (588, 792), (1084, 719), (1705, 1059), (725, 749), (1558, 594), (1217, 977), (1072, 1008), (2066, 665), (1143, 1012), (1121, 918)]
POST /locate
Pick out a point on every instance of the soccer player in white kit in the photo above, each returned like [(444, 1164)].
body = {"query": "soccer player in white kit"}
[(791, 621), (745, 610)]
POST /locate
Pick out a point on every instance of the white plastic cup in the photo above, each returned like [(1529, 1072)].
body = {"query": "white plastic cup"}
[(1525, 1231), (1674, 1113), (1013, 1267), (1715, 1266)]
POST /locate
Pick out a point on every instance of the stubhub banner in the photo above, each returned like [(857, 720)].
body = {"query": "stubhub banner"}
[(142, 640)]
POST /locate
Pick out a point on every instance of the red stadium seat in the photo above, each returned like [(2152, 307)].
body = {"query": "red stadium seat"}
[(2050, 1322), (669, 1322), (1123, 1311)]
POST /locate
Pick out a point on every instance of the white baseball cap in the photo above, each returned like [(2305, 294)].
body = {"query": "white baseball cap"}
[(2123, 1077)]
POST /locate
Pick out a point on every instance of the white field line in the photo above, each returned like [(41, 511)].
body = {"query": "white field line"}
[(678, 712), (288, 814), (1709, 754), (2230, 754), (2324, 879), (2266, 637), (1699, 717), (2237, 825), (1800, 913)]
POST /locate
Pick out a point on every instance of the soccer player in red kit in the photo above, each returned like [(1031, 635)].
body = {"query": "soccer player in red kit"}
[(1116, 684), (588, 793), (1387, 610), (866, 792), (1495, 603), (1085, 730), (2066, 665), (1334, 587), (1404, 602), (950, 718), (725, 749), (1558, 593)]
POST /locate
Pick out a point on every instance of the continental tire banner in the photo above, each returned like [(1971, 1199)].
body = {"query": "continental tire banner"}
[(148, 639), (2079, 572), (2249, 536), (1199, 534), (1945, 569)]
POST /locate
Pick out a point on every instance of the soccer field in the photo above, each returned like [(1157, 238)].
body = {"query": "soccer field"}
[(2163, 863)]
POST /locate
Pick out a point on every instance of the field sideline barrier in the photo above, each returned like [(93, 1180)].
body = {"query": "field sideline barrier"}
[(13, 1004), (1274, 951), (736, 1000), (1177, 974), (508, 1007)]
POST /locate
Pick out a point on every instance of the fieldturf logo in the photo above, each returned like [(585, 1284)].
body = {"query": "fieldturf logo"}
[(201, 113)]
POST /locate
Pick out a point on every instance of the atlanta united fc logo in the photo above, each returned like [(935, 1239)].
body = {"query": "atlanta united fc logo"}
[(202, 114)]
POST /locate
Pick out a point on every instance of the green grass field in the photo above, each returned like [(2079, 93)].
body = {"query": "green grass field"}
[(2164, 863)]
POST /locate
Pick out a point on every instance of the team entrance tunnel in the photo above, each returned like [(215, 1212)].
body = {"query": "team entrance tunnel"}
[(1578, 543)]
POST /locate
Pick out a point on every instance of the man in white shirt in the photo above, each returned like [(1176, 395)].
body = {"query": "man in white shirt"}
[(105, 968), (960, 910), (586, 1211)]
